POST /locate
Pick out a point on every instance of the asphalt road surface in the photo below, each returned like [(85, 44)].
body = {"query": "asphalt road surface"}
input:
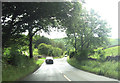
[(62, 71)]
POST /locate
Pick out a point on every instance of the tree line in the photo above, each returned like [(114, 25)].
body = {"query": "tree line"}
[(85, 29)]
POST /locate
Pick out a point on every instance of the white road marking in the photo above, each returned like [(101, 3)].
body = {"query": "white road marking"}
[(64, 76), (67, 78)]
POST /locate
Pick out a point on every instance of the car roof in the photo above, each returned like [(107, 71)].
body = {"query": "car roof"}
[(49, 57)]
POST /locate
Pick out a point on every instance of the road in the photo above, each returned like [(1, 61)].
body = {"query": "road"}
[(62, 71)]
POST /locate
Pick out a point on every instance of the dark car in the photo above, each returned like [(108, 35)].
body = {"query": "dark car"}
[(39, 56), (49, 60)]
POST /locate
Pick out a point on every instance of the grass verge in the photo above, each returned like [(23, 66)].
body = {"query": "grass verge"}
[(13, 73), (108, 69)]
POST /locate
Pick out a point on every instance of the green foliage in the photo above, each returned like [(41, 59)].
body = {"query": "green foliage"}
[(39, 61), (49, 50), (86, 31), (109, 69), (57, 51), (14, 73), (113, 51), (43, 49), (65, 53), (37, 39), (102, 53), (54, 42), (82, 55), (72, 54), (13, 61), (60, 43), (20, 17), (14, 57), (35, 52)]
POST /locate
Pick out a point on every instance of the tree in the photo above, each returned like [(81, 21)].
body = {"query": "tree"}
[(49, 50), (37, 39), (87, 31), (21, 17), (43, 49)]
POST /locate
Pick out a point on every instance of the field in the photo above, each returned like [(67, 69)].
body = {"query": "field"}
[(112, 51)]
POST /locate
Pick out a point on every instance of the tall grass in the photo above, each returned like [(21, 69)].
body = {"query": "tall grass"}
[(109, 69), (13, 73)]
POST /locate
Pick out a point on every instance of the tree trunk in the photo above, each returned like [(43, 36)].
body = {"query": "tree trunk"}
[(75, 43), (82, 43), (30, 46)]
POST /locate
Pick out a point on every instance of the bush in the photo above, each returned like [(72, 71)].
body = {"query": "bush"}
[(14, 57), (101, 55), (25, 67), (82, 55), (43, 49), (57, 51), (49, 50)]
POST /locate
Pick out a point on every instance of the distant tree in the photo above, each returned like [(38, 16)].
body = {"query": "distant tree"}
[(37, 39), (43, 49), (49, 50)]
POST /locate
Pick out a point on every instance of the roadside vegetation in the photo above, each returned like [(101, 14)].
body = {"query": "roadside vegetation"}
[(16, 61), (23, 48), (98, 63), (19, 68)]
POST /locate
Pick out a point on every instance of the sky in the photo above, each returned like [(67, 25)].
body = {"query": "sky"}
[(107, 9)]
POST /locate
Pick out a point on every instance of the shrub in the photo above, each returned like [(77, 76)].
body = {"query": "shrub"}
[(43, 49), (49, 50), (82, 55), (57, 51), (101, 54), (13, 57)]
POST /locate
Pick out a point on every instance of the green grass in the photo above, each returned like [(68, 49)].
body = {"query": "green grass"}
[(13, 73), (109, 69), (113, 51), (42, 58), (39, 61)]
